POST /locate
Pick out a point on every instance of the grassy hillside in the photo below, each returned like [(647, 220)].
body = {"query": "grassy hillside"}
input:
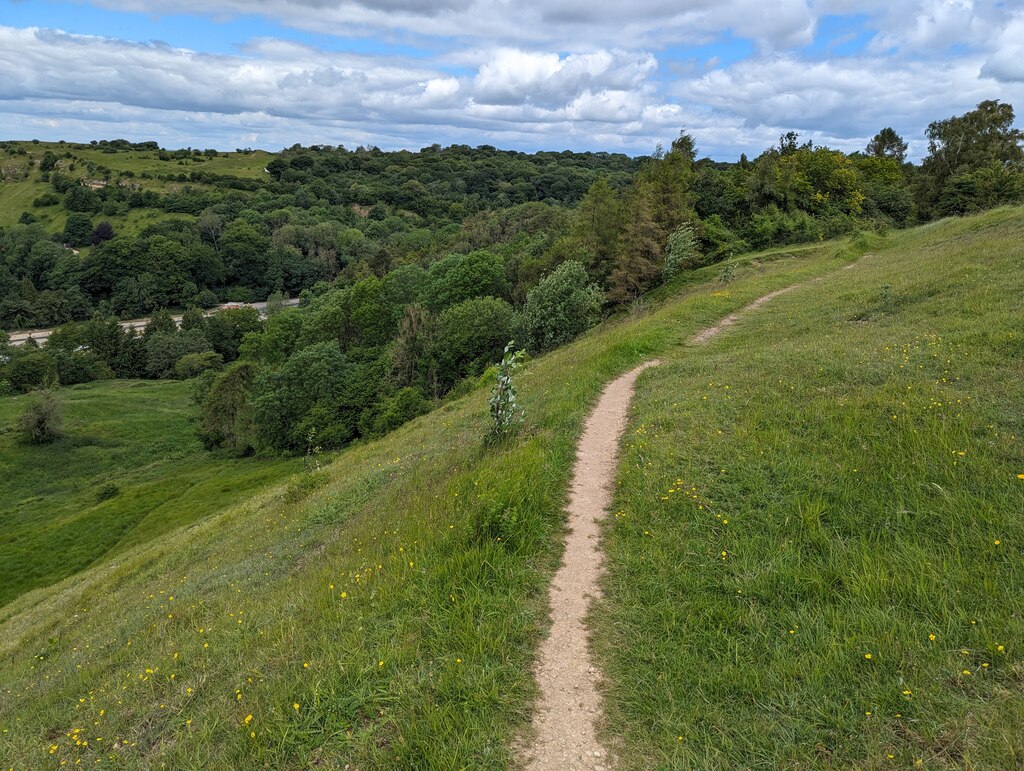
[(817, 553), (21, 183), (385, 612), (129, 471)]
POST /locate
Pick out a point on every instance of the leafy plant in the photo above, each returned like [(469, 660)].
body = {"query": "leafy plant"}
[(107, 491), (505, 412), (683, 250), (41, 421)]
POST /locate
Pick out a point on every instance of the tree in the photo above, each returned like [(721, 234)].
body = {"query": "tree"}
[(887, 144), (960, 145), (975, 139), (412, 360), (226, 328), (683, 251), (77, 229), (640, 254), (163, 350), (563, 305), (160, 322), (81, 199), (460, 277), (41, 422), (104, 231), (48, 161), (471, 336), (306, 396), (226, 413), (194, 364), (596, 228)]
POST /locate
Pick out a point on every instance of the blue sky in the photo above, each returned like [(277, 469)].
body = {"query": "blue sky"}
[(551, 74)]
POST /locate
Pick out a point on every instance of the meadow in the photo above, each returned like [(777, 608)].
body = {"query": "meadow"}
[(129, 470), (816, 553), (385, 611), (17, 195)]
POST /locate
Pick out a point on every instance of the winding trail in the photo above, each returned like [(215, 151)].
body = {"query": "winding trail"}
[(569, 709), (570, 705)]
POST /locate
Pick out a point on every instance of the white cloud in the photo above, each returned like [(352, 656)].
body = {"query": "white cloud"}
[(844, 101), (385, 100), (591, 23), (1007, 60), (590, 74)]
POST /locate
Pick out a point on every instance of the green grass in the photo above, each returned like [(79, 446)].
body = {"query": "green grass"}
[(16, 196), (832, 479), (134, 435), (412, 581), (398, 599)]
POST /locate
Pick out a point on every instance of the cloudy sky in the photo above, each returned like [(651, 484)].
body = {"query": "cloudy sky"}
[(527, 74)]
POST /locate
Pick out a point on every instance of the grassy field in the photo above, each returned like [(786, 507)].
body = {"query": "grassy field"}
[(384, 613), (816, 559), (130, 470), (355, 617), (17, 193)]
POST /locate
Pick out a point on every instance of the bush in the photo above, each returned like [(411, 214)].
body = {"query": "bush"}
[(194, 364), (403, 406), (107, 491), (30, 368), (562, 306), (683, 251), (80, 367), (77, 229), (470, 337), (164, 350), (41, 422)]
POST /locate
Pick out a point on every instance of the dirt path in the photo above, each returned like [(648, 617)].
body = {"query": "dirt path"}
[(570, 705), (706, 334)]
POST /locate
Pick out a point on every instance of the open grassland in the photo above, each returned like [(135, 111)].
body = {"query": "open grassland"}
[(23, 184), (130, 470), (382, 613), (817, 555)]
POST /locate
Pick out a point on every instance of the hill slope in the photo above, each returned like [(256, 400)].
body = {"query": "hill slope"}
[(817, 556), (386, 614), (130, 469)]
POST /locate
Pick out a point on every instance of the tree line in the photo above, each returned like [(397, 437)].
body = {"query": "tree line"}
[(415, 269)]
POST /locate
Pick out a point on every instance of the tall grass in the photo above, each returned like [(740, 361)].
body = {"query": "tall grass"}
[(816, 559)]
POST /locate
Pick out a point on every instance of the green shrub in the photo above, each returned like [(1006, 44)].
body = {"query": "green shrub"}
[(41, 421), (107, 491), (562, 306), (683, 251), (194, 364), (403, 406)]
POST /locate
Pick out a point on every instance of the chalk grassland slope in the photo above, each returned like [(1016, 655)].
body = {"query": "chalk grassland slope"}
[(387, 618), (18, 193), (817, 558), (129, 470)]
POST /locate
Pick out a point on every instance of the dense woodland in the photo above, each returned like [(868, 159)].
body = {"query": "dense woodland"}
[(416, 268)]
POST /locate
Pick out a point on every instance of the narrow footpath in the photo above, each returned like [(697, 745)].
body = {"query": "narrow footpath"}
[(570, 704), (569, 708)]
